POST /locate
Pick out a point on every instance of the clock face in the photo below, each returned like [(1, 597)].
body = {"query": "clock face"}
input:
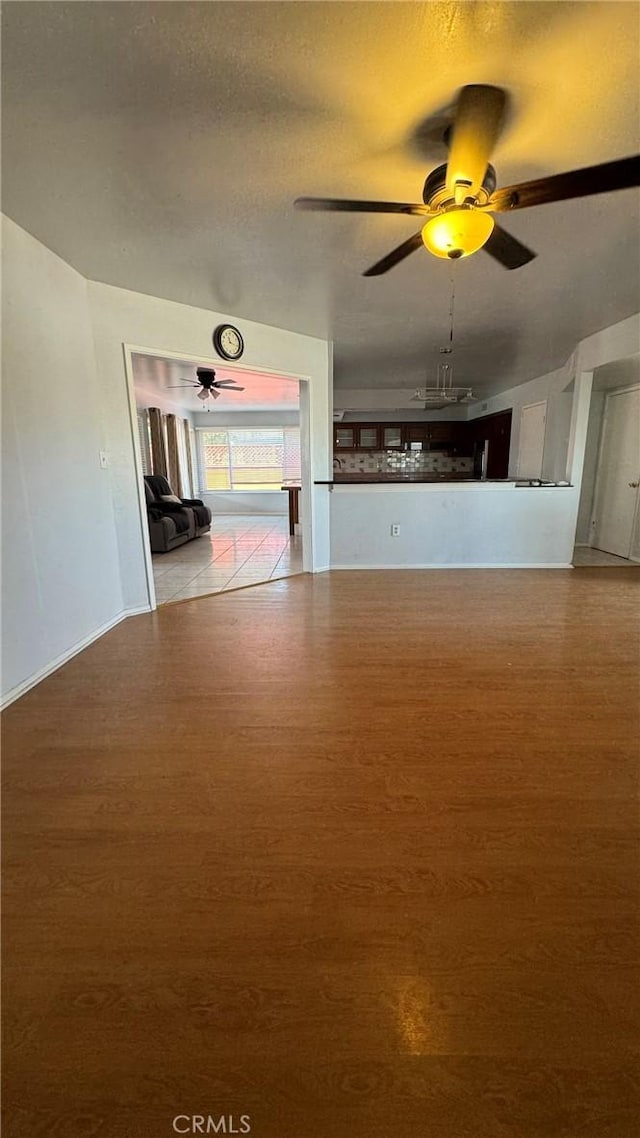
[(228, 342)]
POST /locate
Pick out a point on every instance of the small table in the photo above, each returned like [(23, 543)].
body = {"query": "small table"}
[(293, 489)]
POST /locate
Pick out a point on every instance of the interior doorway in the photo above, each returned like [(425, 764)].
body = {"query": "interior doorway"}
[(533, 418), (233, 453), (608, 529), (615, 514)]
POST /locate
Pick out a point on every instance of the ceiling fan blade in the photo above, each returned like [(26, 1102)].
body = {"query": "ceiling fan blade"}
[(224, 382), (395, 256), (608, 176), (507, 249), (348, 206), (478, 119)]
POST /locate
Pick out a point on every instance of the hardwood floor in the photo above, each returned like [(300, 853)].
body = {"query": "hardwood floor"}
[(354, 856)]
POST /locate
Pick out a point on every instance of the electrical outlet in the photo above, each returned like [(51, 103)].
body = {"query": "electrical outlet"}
[(104, 460), (395, 531)]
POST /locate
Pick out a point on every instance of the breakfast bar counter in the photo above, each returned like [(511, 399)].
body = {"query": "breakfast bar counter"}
[(397, 520), (385, 478)]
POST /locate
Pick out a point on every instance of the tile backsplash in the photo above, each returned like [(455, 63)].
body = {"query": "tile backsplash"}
[(374, 461)]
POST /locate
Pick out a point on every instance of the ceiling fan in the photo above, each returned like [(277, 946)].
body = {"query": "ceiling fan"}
[(210, 387), (460, 196)]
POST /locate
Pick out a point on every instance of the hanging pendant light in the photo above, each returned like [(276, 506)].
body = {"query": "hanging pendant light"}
[(444, 391)]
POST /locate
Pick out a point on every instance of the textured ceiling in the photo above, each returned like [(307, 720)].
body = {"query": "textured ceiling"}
[(159, 147), (157, 375)]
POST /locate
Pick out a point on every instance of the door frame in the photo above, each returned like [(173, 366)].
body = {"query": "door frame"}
[(209, 361), (596, 486), (529, 407)]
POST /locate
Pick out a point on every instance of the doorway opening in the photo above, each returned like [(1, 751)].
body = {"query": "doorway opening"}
[(608, 528), (220, 475)]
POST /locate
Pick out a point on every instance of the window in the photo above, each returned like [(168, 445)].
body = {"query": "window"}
[(249, 459)]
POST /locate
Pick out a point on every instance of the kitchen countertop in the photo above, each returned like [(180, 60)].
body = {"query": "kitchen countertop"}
[(399, 476)]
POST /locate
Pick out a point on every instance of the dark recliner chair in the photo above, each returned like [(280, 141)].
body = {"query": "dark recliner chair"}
[(163, 495), (170, 525)]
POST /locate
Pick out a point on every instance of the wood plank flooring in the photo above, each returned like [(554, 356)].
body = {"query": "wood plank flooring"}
[(354, 856)]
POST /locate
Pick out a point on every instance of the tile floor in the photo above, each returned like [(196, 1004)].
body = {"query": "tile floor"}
[(587, 555), (240, 550)]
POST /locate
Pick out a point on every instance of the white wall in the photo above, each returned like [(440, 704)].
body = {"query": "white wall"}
[(74, 550), (211, 421), (61, 576), (618, 342), (261, 502), (459, 525), (552, 389), (148, 398), (161, 326)]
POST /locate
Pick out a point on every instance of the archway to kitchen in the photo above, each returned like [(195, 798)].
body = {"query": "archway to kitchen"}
[(235, 451)]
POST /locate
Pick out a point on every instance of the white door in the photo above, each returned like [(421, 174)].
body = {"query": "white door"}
[(616, 497), (533, 418)]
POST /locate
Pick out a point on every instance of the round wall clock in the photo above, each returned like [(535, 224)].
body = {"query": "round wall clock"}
[(228, 342)]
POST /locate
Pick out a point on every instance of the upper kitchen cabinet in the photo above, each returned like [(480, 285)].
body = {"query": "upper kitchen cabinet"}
[(440, 435), (391, 436), (344, 438), (425, 432), (368, 437), (357, 436), (415, 433), (436, 435)]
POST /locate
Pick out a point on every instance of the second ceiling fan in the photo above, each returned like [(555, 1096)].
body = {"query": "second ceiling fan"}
[(210, 387), (460, 196)]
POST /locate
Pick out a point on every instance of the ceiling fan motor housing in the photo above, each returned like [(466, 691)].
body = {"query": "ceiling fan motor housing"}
[(206, 376), (436, 195)]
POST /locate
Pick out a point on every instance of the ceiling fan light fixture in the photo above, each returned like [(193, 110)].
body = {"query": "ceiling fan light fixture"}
[(204, 394), (457, 232)]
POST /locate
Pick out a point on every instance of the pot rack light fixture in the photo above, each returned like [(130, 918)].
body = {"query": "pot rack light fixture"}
[(444, 392)]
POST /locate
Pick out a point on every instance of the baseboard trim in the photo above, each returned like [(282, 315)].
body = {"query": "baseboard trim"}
[(137, 610), (26, 685), (465, 565)]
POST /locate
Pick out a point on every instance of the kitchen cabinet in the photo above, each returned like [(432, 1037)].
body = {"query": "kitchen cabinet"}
[(368, 437), (415, 433), (447, 435), (426, 432), (391, 436), (440, 432), (439, 435), (344, 438), (496, 430), (357, 436)]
